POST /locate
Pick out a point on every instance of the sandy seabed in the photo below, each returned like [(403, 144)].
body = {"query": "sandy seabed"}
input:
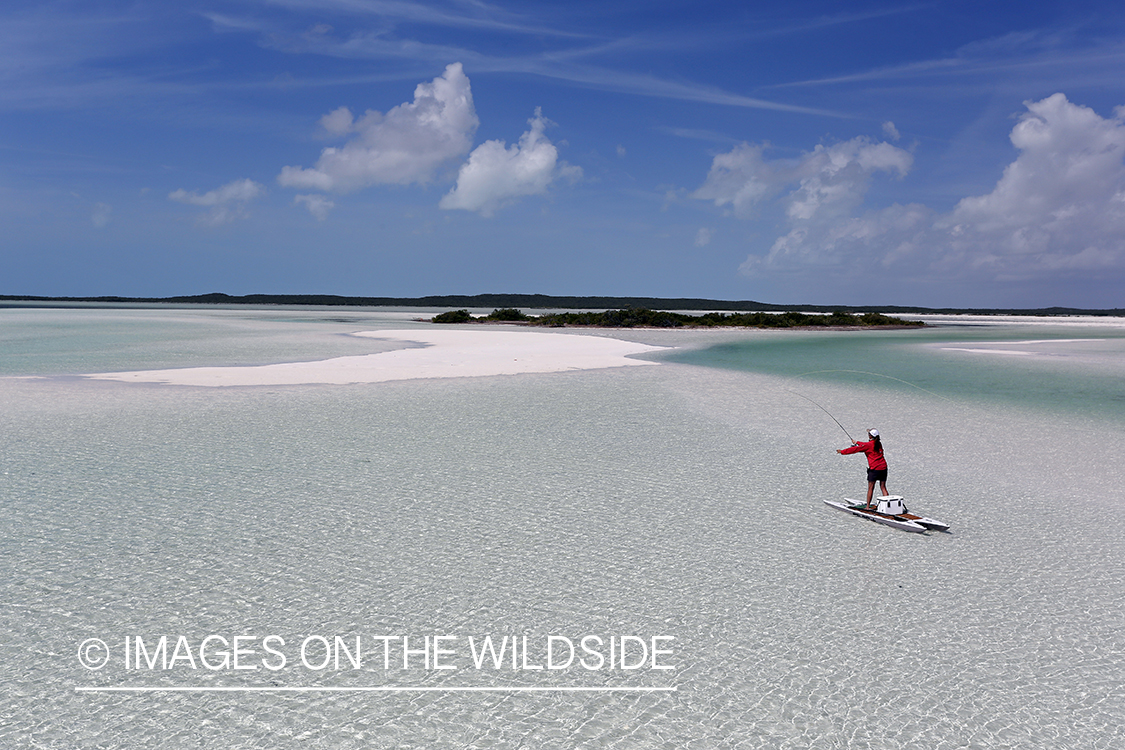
[(621, 500)]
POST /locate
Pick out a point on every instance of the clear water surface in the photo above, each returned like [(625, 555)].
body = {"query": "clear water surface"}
[(680, 500)]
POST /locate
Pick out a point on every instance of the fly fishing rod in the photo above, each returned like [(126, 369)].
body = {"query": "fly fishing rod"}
[(858, 372), (806, 398)]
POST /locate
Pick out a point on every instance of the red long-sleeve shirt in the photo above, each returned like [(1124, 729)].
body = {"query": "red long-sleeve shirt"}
[(874, 460)]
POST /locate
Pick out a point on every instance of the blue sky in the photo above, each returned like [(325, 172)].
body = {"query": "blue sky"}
[(941, 153)]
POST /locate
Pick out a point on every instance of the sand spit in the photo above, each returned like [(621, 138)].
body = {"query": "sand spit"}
[(444, 354)]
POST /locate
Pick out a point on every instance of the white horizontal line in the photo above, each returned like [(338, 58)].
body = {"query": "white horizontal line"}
[(376, 689), (985, 351)]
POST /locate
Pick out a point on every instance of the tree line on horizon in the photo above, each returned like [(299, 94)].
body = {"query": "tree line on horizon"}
[(642, 317)]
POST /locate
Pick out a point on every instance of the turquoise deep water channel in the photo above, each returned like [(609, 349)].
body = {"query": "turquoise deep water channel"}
[(679, 501)]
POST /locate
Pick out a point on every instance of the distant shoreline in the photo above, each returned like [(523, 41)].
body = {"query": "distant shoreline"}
[(645, 318), (543, 301)]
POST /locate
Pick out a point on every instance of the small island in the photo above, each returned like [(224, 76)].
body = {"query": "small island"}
[(644, 318)]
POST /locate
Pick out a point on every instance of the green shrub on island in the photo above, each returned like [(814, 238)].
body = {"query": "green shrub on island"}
[(640, 317), (507, 314), (453, 316), (628, 318), (656, 319)]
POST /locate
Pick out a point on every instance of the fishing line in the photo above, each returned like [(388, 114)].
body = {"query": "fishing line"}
[(878, 375), (858, 372), (806, 398)]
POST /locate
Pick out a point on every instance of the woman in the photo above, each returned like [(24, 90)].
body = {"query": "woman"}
[(876, 464)]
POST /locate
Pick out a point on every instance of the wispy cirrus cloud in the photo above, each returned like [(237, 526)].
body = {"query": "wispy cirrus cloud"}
[(570, 64), (1015, 58), (73, 59), (50, 56), (456, 15), (830, 20), (100, 216)]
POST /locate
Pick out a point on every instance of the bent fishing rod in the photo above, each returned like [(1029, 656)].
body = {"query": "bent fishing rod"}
[(806, 398), (858, 372)]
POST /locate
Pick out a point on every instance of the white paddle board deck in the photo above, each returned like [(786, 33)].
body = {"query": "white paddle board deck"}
[(930, 523), (859, 509)]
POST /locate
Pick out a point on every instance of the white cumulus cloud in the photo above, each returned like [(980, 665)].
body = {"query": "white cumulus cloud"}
[(897, 232), (829, 180), (339, 121), (496, 174), (817, 193), (407, 145), (833, 180), (742, 179), (318, 205), (227, 203), (1059, 207)]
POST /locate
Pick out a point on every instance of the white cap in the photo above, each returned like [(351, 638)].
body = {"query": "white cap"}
[(873, 432)]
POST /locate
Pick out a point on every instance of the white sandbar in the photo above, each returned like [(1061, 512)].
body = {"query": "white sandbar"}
[(979, 350), (445, 354)]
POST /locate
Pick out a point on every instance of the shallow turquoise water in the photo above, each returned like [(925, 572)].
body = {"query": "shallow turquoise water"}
[(87, 340), (1067, 372)]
